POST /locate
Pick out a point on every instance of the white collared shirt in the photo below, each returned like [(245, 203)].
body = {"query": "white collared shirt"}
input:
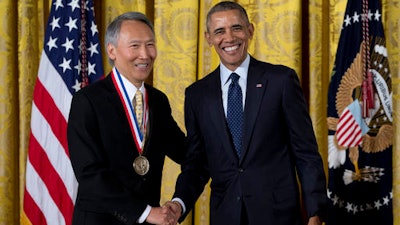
[(131, 89), (242, 71)]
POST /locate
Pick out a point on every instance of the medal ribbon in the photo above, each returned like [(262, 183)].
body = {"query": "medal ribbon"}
[(129, 111)]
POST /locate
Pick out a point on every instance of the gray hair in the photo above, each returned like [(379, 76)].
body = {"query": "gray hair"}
[(225, 6), (113, 29)]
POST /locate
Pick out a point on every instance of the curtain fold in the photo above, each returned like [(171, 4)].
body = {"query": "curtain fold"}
[(300, 34), (176, 27), (9, 115)]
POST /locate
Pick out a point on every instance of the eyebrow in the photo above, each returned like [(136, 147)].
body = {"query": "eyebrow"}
[(218, 29), (141, 41), (233, 26), (237, 26)]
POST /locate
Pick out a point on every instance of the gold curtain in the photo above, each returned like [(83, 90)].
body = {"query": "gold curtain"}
[(302, 36)]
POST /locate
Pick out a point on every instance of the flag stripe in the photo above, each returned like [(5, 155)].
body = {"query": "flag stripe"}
[(52, 180), (45, 104), (348, 132), (32, 210), (55, 85), (347, 128), (53, 150), (41, 197)]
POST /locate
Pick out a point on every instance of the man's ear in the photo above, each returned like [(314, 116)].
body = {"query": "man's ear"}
[(111, 51), (207, 36), (251, 30)]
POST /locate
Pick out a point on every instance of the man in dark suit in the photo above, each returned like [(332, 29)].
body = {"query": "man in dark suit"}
[(255, 154), (117, 147)]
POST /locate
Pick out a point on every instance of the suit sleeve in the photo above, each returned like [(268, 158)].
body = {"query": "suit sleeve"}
[(175, 138), (303, 143), (194, 176), (99, 190)]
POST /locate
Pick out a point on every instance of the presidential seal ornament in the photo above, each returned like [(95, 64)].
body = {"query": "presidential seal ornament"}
[(141, 165)]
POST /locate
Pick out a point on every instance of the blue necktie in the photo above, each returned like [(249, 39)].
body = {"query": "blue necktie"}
[(235, 111)]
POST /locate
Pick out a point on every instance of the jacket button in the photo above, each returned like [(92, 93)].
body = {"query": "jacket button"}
[(241, 170)]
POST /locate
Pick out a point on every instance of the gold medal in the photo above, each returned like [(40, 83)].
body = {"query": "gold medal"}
[(141, 165)]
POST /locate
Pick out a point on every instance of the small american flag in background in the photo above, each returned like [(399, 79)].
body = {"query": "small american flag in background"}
[(65, 68), (351, 127)]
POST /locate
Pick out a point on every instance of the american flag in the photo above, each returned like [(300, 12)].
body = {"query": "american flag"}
[(360, 94), (351, 127), (71, 59)]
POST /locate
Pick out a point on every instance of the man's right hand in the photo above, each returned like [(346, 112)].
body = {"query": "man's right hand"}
[(162, 216), (175, 207)]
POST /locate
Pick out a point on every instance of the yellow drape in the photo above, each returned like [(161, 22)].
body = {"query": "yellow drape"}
[(283, 35)]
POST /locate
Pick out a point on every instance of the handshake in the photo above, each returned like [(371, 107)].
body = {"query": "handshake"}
[(168, 214)]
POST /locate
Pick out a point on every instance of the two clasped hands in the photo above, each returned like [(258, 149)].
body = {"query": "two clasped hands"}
[(168, 214)]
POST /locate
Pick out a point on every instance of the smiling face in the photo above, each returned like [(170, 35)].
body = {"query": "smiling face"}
[(229, 33), (134, 52)]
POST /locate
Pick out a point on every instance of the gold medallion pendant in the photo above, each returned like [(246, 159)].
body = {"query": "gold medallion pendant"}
[(141, 165)]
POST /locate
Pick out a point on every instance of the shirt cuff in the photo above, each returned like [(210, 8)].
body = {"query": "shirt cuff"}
[(144, 215), (182, 204)]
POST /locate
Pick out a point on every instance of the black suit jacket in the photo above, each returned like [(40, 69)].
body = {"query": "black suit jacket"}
[(102, 151), (278, 143)]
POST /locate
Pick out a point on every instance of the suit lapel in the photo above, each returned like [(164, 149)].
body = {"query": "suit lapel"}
[(114, 99), (256, 86)]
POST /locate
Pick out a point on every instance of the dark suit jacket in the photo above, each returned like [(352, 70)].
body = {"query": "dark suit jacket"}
[(102, 151), (278, 143)]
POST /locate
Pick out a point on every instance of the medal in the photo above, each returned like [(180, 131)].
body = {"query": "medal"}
[(141, 165)]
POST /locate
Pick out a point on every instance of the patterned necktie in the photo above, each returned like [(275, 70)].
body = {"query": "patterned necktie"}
[(235, 112), (139, 109)]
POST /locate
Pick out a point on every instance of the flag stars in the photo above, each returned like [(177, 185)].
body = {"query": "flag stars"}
[(65, 65), (93, 49), (386, 200), (68, 44), (93, 28), (355, 209), (364, 17), (74, 4), (370, 15), (356, 17), (54, 23), (377, 204), (52, 43), (58, 3), (78, 66), (367, 16), (352, 208), (328, 193), (347, 21), (71, 24), (335, 200), (349, 207), (91, 68), (377, 15), (76, 86)]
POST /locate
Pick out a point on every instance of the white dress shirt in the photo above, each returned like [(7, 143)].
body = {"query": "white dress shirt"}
[(242, 71)]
